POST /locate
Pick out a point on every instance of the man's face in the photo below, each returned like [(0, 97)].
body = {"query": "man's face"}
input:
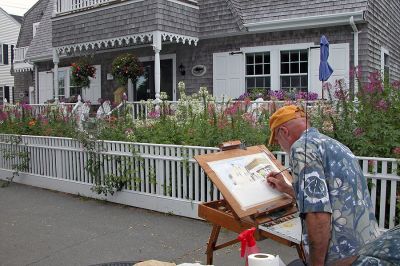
[(282, 137)]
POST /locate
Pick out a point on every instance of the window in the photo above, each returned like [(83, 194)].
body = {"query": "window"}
[(385, 64), (4, 54), (35, 27), (258, 71), (61, 84), (294, 70), (1, 94)]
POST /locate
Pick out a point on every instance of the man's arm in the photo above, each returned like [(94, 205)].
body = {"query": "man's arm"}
[(319, 233)]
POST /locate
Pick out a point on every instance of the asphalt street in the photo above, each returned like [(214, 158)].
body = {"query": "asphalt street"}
[(42, 227)]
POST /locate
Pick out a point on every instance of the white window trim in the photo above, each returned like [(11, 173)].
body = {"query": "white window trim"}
[(276, 59), (384, 52), (35, 26), (2, 54)]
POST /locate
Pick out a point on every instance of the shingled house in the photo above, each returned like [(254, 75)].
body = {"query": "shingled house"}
[(229, 46)]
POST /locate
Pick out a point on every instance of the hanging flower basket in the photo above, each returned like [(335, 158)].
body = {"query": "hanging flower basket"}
[(81, 71), (125, 67)]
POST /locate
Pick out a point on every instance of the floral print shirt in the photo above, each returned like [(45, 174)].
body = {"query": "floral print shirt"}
[(383, 251), (327, 178)]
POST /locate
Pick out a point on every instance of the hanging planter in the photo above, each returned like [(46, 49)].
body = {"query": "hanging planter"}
[(125, 67), (81, 71)]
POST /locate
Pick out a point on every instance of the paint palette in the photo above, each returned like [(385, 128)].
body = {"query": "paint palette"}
[(288, 227)]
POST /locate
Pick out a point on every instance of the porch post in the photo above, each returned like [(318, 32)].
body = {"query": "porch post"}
[(56, 60), (157, 76)]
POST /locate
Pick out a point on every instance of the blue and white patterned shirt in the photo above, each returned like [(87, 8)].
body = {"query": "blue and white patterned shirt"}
[(328, 178)]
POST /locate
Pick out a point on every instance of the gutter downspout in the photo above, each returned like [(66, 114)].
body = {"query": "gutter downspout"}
[(355, 32)]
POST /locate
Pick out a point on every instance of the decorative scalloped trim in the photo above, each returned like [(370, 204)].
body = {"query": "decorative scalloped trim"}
[(112, 42), (136, 38), (167, 36)]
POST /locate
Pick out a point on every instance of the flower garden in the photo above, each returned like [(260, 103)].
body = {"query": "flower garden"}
[(369, 126)]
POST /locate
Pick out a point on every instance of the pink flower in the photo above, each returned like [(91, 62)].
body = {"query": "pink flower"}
[(3, 116), (154, 114), (358, 132), (355, 72), (375, 83), (396, 84), (396, 150)]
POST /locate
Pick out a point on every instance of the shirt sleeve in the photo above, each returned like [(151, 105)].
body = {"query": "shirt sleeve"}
[(309, 181)]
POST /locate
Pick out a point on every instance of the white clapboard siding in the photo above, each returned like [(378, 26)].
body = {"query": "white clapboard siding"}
[(228, 75), (9, 31), (167, 178), (339, 60)]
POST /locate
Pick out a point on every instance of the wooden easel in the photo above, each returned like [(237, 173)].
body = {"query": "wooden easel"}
[(221, 214)]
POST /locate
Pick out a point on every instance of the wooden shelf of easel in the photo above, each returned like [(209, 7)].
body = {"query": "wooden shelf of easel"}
[(220, 215)]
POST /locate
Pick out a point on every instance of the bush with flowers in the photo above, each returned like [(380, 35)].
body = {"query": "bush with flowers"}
[(81, 71), (125, 67), (369, 126), (53, 121)]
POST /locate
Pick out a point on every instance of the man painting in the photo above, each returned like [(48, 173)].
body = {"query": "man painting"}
[(329, 187)]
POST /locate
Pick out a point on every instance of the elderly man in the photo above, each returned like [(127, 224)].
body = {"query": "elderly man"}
[(331, 192)]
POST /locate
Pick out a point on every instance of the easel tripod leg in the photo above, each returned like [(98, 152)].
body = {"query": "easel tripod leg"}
[(300, 251), (212, 242)]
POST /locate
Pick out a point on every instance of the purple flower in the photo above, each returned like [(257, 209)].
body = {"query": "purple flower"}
[(382, 105), (309, 96), (244, 96), (278, 95), (26, 106)]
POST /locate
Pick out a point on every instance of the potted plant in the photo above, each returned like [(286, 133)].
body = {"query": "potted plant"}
[(125, 67), (81, 71)]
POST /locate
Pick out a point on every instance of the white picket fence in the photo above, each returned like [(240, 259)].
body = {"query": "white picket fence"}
[(166, 178)]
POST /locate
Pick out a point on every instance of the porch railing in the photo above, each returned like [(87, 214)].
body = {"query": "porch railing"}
[(141, 110), (165, 177), (74, 5)]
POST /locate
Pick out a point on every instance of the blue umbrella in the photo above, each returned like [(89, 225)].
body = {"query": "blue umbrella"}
[(325, 70)]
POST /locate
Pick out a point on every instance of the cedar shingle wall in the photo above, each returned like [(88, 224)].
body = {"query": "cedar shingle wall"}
[(384, 31), (216, 18), (177, 18), (105, 23), (34, 15)]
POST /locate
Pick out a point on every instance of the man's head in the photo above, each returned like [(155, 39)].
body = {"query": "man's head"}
[(287, 124)]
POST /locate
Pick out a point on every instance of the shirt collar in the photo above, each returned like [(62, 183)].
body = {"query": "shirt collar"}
[(309, 130)]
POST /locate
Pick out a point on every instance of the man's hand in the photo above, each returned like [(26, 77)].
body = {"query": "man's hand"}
[(319, 233), (277, 181)]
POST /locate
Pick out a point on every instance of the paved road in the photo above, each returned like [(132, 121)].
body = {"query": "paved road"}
[(41, 227)]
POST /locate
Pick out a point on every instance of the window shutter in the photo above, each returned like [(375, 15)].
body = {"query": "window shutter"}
[(93, 93), (339, 59), (228, 75), (12, 54), (45, 87), (5, 54)]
